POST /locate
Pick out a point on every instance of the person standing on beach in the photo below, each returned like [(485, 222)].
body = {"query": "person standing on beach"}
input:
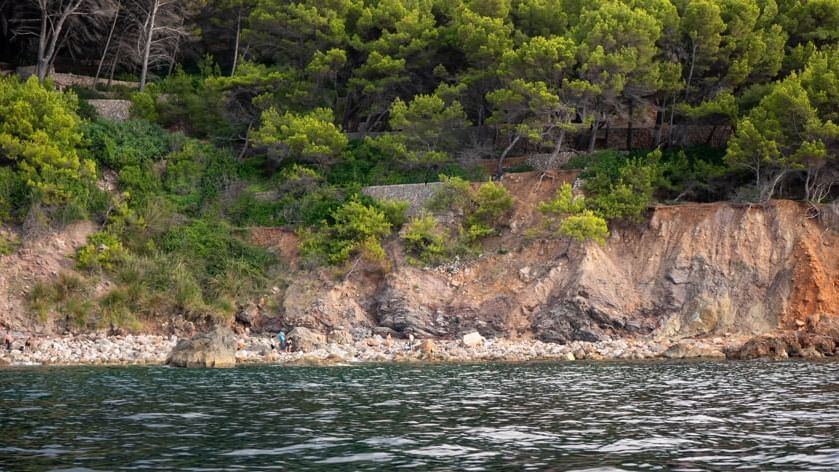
[(281, 339)]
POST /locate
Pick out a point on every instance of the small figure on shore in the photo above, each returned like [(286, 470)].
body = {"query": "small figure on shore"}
[(290, 345), (282, 340), (389, 342), (411, 341), (7, 341)]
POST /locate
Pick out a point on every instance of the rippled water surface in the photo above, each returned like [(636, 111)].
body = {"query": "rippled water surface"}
[(650, 416)]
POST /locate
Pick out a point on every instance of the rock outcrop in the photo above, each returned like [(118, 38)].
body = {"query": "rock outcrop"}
[(216, 348), (305, 339)]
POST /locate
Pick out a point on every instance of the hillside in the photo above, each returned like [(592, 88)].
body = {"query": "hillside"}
[(693, 270)]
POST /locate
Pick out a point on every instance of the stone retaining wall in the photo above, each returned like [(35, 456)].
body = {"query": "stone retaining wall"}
[(417, 195), (117, 110)]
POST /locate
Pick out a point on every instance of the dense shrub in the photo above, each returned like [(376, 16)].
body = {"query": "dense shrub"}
[(620, 187), (425, 240), (119, 144), (357, 229), (566, 215), (14, 195), (40, 134), (455, 194), (396, 211), (103, 250)]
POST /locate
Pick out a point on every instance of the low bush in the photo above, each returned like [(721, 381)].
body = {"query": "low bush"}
[(103, 251), (425, 240), (396, 211), (119, 144), (357, 229)]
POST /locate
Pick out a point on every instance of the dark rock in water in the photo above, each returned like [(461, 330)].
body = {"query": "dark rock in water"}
[(216, 348), (305, 339), (785, 344)]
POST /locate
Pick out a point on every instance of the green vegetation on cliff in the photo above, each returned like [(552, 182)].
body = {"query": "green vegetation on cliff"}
[(277, 113)]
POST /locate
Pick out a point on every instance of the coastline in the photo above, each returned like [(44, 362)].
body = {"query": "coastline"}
[(96, 349)]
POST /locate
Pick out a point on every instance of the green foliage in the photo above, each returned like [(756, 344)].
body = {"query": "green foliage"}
[(208, 246), (425, 240), (40, 135), (14, 195), (455, 194), (103, 251), (310, 137), (425, 128), (785, 133), (119, 144), (567, 216), (620, 187), (144, 106), (492, 201), (395, 211), (8, 244), (357, 229)]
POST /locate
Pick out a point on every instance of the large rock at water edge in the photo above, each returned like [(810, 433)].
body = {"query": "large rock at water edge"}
[(305, 339), (216, 348), (473, 339)]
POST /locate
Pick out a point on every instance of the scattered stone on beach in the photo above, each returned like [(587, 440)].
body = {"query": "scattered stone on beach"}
[(340, 336), (473, 339), (427, 346), (216, 348)]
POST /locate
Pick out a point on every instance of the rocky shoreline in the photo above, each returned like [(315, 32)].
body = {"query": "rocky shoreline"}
[(98, 349), (95, 349)]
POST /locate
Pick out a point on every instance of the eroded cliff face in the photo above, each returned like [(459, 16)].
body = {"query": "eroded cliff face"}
[(691, 270)]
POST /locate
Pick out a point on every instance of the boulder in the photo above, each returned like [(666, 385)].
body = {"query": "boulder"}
[(473, 339), (216, 348), (305, 339), (340, 336), (248, 314), (686, 350)]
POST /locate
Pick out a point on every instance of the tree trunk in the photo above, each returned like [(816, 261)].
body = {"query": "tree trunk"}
[(175, 51), (629, 126), (40, 67), (47, 48), (107, 46), (236, 45), (593, 138), (114, 64), (690, 74), (670, 128), (147, 47), (660, 123), (507, 151)]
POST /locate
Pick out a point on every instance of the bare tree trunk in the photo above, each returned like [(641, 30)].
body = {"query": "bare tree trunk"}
[(51, 31), (629, 126), (507, 151), (175, 51), (670, 128), (40, 67), (107, 46), (690, 74), (147, 47), (593, 139), (660, 123), (236, 46), (114, 65)]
